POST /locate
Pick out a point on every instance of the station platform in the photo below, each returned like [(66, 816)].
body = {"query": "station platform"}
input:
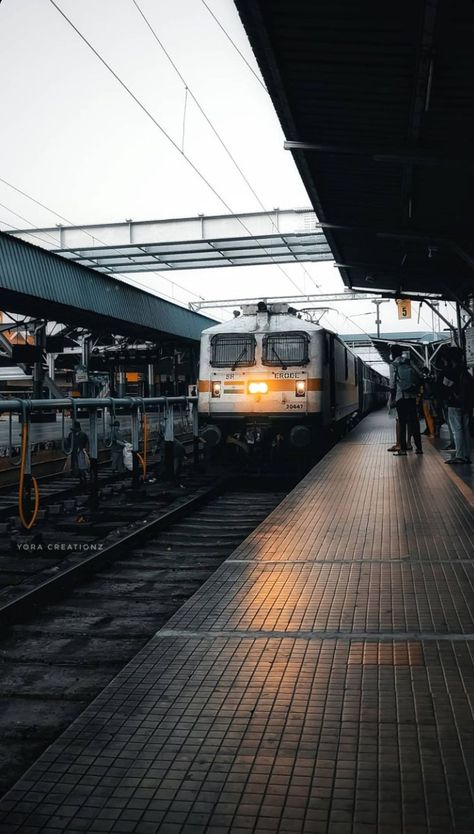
[(321, 681)]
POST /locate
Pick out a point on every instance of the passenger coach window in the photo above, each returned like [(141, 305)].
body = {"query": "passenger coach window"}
[(229, 350), (283, 349)]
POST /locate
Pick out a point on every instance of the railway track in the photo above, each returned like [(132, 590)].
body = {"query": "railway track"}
[(56, 485), (67, 631)]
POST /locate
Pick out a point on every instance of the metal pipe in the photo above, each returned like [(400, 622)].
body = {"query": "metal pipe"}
[(13, 461), (88, 402), (440, 315)]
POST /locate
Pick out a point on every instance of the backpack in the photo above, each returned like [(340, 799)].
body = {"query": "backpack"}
[(408, 379)]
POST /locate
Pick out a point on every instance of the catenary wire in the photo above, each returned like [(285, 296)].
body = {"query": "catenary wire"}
[(234, 45), (83, 229), (25, 219), (188, 91), (42, 239), (166, 135)]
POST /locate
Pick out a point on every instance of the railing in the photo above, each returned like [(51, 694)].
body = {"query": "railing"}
[(141, 410)]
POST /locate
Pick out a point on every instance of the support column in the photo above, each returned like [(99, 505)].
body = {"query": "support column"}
[(460, 330), (175, 372), (85, 359), (151, 379), (121, 384), (50, 359), (169, 442), (94, 460), (135, 432), (40, 337), (195, 416), (27, 478)]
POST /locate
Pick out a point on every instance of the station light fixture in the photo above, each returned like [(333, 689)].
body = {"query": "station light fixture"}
[(216, 389), (300, 388), (258, 388)]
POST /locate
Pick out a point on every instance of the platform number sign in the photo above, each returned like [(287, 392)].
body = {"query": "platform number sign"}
[(404, 308), (81, 374)]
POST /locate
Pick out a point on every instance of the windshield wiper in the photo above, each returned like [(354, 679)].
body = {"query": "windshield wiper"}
[(241, 354), (284, 367)]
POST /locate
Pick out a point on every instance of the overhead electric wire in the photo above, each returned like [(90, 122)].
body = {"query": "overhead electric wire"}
[(42, 239), (83, 229), (165, 133), (244, 59), (219, 138), (134, 281), (25, 220)]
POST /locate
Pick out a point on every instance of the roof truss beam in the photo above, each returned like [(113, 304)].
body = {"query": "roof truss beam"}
[(280, 236)]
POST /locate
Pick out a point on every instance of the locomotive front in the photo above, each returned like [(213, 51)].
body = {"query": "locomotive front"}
[(260, 378)]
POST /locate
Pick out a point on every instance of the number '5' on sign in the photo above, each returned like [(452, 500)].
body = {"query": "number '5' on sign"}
[(404, 308)]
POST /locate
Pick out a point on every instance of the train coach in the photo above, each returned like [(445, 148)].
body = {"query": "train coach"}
[(270, 377)]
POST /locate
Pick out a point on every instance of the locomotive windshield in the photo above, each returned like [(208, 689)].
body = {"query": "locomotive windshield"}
[(285, 349), (232, 350)]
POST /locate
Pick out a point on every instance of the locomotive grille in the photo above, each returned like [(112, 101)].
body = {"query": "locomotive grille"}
[(285, 349), (229, 350)]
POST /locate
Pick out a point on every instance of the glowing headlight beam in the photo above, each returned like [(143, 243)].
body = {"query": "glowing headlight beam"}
[(258, 388)]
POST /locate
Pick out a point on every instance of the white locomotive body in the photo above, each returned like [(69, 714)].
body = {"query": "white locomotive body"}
[(272, 372)]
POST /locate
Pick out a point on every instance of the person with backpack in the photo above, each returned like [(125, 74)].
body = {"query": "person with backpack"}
[(404, 393), (458, 385)]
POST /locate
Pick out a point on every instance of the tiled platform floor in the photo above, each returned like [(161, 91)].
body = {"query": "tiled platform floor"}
[(321, 681)]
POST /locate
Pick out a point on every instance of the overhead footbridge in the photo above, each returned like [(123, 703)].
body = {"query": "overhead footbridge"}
[(35, 282), (201, 242)]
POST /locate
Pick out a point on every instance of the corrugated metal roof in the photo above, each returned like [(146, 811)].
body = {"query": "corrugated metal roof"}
[(36, 282), (385, 92)]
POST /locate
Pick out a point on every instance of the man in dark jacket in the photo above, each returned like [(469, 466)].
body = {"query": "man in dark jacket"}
[(458, 386), (404, 391), (78, 444)]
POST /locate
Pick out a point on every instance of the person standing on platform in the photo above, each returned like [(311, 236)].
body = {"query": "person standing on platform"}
[(116, 449), (442, 393), (395, 353), (459, 387), (428, 403), (79, 443), (407, 381)]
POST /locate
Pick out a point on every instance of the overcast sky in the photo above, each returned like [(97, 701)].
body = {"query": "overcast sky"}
[(76, 141)]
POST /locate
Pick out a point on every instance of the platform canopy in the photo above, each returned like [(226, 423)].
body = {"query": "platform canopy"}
[(279, 236), (376, 103), (38, 283)]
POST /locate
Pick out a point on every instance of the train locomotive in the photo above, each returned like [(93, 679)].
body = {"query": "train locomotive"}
[(270, 378)]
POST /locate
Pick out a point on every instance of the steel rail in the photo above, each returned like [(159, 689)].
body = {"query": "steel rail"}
[(24, 605)]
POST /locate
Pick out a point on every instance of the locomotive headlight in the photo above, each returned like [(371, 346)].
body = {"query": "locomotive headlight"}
[(216, 389), (300, 388), (258, 388)]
